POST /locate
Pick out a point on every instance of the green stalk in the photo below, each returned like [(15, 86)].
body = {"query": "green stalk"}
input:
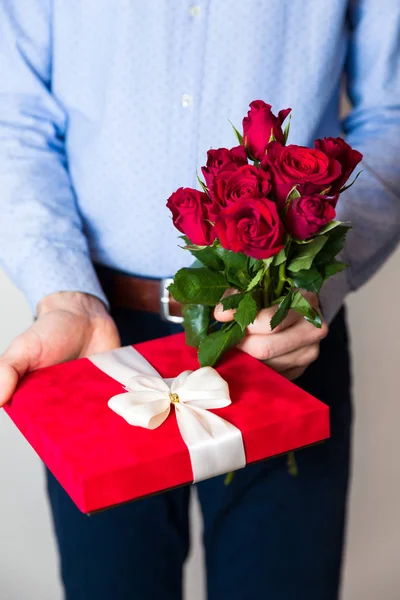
[(281, 280), (266, 286)]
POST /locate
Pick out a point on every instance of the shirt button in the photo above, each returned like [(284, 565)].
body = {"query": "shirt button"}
[(194, 10), (187, 100)]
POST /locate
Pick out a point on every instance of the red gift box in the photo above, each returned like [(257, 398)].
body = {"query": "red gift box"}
[(101, 460)]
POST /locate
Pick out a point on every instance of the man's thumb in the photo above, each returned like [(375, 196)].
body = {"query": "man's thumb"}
[(13, 366)]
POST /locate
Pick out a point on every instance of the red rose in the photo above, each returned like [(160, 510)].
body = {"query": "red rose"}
[(251, 226), (340, 150), (308, 214), (293, 165), (190, 215), (223, 160), (258, 126), (247, 181)]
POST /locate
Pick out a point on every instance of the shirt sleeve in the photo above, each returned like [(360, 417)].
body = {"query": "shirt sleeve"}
[(372, 127), (42, 244)]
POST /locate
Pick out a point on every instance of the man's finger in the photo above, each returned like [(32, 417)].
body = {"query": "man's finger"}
[(13, 366), (293, 374), (266, 347), (221, 315), (298, 358), (262, 324), (8, 381), (20, 357)]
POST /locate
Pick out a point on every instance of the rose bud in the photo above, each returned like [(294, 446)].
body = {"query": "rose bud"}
[(258, 126), (251, 226), (307, 215), (340, 150), (190, 214)]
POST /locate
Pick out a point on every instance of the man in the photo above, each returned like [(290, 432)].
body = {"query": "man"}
[(105, 109)]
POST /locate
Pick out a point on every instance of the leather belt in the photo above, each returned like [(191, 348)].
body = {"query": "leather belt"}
[(140, 293)]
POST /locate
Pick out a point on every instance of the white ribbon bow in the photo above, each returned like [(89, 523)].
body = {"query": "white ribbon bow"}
[(215, 445)]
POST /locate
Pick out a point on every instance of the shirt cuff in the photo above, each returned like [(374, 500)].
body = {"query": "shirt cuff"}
[(54, 269)]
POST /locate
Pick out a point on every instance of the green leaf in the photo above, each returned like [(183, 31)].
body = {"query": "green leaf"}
[(237, 267), (237, 279), (196, 264), (232, 301), (333, 268), (346, 187), (202, 184), (237, 133), (294, 193), (267, 262), (255, 264), (283, 309), (326, 191), (335, 243), (303, 242), (329, 227), (305, 255), (246, 311), (279, 258), (215, 344), (207, 255), (304, 308), (196, 319), (256, 280), (272, 138), (186, 240), (308, 279), (198, 286), (286, 130), (234, 260)]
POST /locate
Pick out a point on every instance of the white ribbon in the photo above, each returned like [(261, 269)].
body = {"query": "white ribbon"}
[(215, 445)]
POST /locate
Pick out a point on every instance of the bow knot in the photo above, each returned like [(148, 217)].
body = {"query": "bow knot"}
[(147, 400), (215, 445)]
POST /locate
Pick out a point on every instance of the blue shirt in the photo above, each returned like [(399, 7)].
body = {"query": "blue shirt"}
[(107, 106)]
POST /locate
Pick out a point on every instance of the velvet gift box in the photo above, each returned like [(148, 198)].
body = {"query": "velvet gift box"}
[(101, 460)]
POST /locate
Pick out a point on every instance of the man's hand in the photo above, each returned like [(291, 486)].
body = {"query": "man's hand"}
[(290, 348), (69, 325)]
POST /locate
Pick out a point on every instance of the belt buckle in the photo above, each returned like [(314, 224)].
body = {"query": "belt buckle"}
[(164, 302)]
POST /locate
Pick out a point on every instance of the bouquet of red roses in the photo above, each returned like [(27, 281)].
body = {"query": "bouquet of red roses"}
[(263, 225)]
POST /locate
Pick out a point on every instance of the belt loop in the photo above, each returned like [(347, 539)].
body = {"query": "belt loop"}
[(164, 302)]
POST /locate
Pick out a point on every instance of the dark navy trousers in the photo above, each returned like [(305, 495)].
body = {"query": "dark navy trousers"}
[(267, 536)]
